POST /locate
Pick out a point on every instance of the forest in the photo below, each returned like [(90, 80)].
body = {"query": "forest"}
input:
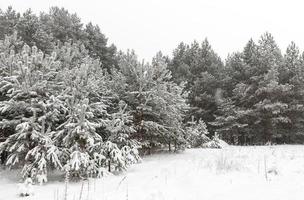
[(69, 100)]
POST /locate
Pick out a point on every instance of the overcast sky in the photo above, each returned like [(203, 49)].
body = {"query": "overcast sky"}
[(148, 26)]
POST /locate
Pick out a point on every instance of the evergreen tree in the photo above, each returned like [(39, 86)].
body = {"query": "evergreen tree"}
[(55, 28), (230, 123), (96, 43), (200, 67), (272, 108), (157, 104), (62, 24), (8, 22), (260, 106), (25, 92), (32, 32), (56, 108), (292, 73)]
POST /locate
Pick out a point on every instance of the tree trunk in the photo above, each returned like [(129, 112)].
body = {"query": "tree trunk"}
[(109, 166), (169, 147), (268, 128)]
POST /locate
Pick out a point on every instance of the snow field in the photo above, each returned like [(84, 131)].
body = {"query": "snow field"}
[(260, 172)]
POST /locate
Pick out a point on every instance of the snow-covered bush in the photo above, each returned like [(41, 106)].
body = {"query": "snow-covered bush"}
[(197, 133), (215, 143), (131, 155), (114, 157)]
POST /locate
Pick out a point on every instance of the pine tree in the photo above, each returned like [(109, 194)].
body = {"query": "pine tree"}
[(271, 108), (230, 123), (292, 73), (96, 43), (25, 92), (200, 67), (249, 53), (57, 109), (157, 104), (8, 22), (77, 135), (62, 24), (259, 109), (32, 32), (179, 65)]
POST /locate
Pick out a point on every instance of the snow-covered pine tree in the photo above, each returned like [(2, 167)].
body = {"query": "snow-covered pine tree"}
[(260, 102), (201, 68), (271, 109), (32, 32), (120, 126), (170, 103), (31, 147), (269, 99), (230, 121), (121, 130), (156, 103), (91, 137), (76, 136), (292, 73), (85, 109), (25, 85)]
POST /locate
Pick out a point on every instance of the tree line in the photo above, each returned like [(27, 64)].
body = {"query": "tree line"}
[(71, 101), (254, 97)]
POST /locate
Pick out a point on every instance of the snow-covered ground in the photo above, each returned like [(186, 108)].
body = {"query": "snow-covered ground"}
[(202, 174)]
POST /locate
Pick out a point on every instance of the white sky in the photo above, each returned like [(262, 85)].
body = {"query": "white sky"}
[(148, 26)]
